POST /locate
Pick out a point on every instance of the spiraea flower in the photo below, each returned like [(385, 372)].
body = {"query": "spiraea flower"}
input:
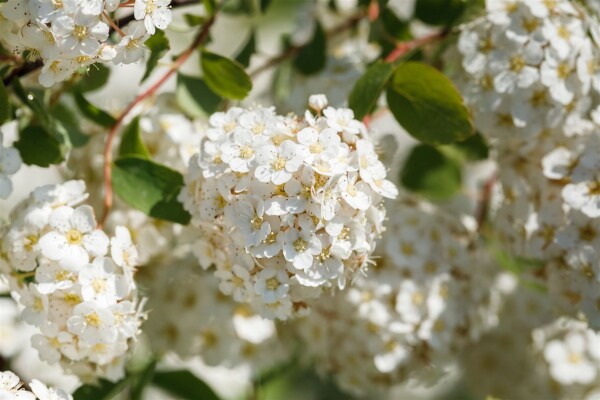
[(295, 202), (67, 35), (11, 388), (10, 162), (411, 313), (529, 68), (72, 282)]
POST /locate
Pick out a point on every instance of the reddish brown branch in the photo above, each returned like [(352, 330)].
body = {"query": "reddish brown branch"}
[(404, 47), (108, 192)]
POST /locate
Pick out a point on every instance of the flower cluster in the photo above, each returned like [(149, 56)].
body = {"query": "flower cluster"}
[(533, 354), (287, 205), (10, 389), (412, 313), (72, 282), (191, 318), (529, 68), (71, 34), (10, 162), (531, 75)]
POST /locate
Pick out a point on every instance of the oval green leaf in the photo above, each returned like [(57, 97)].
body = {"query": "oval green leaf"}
[(427, 105), (224, 76), (368, 88), (431, 173), (150, 187)]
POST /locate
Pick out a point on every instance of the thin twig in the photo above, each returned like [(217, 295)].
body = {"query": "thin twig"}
[(293, 50), (108, 192), (404, 47)]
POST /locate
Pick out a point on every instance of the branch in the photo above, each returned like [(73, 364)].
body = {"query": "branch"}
[(108, 192), (404, 47), (293, 50), (29, 67)]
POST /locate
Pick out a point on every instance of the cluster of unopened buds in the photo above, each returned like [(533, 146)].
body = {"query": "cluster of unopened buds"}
[(72, 281), (11, 388), (288, 205), (70, 34)]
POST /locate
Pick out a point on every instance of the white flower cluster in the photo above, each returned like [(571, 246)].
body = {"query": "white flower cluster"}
[(530, 68), (10, 162), (426, 298), (287, 205), (191, 317), (531, 354), (70, 34), (11, 389), (72, 282), (532, 75)]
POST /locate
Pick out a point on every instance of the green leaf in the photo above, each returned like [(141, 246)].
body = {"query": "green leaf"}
[(96, 77), (394, 26), (65, 122), (312, 56), (150, 187), (439, 12), (34, 99), (209, 6), (184, 384), (431, 172), (194, 20), (38, 147), (474, 148), (131, 141), (141, 380), (427, 104), (368, 88), (264, 5), (246, 53), (104, 390), (158, 45), (238, 7), (194, 97), (4, 106), (224, 76), (92, 112)]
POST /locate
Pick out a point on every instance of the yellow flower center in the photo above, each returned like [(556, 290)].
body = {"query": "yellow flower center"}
[(74, 237), (299, 245), (272, 283), (316, 148), (278, 164), (246, 152), (563, 71), (256, 222), (80, 32), (517, 63), (93, 319), (99, 285)]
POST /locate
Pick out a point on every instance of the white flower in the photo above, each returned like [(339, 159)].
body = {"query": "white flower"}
[(300, 247), (100, 284), (36, 306), (93, 324), (515, 66), (272, 285), (568, 360), (131, 46), (44, 392), (155, 13), (317, 102), (122, 249), (74, 237), (81, 34), (276, 164), (235, 282), (342, 120), (10, 387), (10, 162)]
